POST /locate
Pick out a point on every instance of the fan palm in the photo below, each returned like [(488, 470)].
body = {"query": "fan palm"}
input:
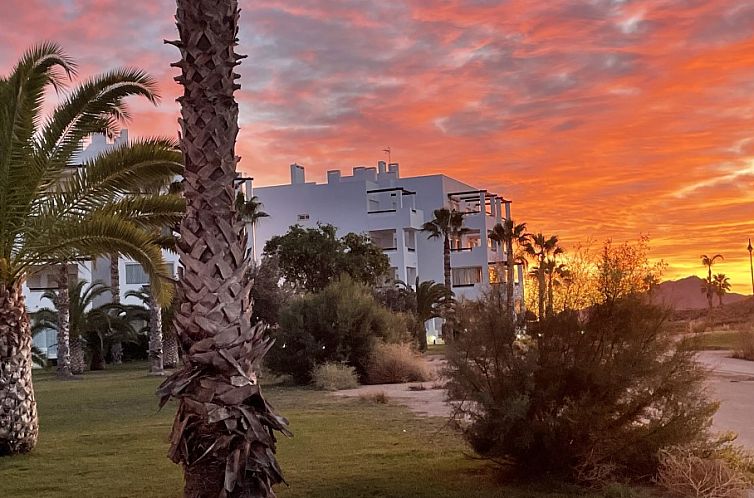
[(431, 300), (542, 248), (95, 326), (51, 213), (722, 286), (445, 225), (508, 234), (223, 430), (709, 286), (555, 273)]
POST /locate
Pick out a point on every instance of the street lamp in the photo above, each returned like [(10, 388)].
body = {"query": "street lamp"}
[(751, 265)]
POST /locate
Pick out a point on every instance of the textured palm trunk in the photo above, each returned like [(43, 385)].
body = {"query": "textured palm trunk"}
[(509, 277), (223, 430), (447, 326), (63, 305), (169, 351), (550, 294), (709, 287), (541, 288), (78, 358), (155, 338), (19, 425), (116, 350)]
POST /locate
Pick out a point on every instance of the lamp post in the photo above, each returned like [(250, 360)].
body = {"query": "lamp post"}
[(751, 265)]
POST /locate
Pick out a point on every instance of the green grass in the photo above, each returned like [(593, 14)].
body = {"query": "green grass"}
[(715, 341), (102, 436)]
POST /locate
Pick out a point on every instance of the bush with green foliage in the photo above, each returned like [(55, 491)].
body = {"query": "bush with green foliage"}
[(595, 393), (395, 364), (334, 377), (311, 258), (340, 324)]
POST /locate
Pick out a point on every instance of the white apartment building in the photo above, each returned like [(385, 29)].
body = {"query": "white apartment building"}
[(391, 209), (132, 275)]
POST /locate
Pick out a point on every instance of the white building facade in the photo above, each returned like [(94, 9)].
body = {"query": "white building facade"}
[(377, 201)]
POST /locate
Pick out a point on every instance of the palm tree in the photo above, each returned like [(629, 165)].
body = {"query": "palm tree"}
[(51, 213), (250, 211), (722, 286), (709, 287), (223, 430), (94, 327), (431, 300), (117, 350), (555, 273), (446, 224), (152, 315), (507, 234), (542, 248)]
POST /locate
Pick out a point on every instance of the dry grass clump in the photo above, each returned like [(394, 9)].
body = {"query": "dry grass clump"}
[(682, 472), (745, 349), (379, 397), (396, 363), (334, 377)]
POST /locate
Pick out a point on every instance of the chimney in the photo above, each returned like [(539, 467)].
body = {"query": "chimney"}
[(393, 168), (371, 174), (381, 167), (297, 174), (358, 172), (99, 139), (333, 176), (123, 138)]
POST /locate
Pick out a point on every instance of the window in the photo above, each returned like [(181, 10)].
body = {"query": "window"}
[(384, 239), (303, 217), (466, 277), (410, 236), (135, 274), (411, 276)]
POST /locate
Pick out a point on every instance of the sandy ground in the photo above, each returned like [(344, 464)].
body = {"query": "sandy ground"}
[(732, 383)]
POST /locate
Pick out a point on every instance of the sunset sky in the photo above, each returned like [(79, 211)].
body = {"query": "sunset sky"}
[(597, 118)]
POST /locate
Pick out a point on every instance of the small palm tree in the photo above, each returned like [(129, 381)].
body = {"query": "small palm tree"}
[(709, 287), (432, 300), (555, 273), (96, 327), (249, 210), (722, 286), (151, 314), (542, 248), (51, 213), (508, 234)]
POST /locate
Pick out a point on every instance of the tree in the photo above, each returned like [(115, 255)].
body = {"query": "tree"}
[(94, 326), (542, 248), (312, 258), (268, 294), (709, 286), (249, 210), (555, 274), (446, 225), (51, 214), (508, 234), (433, 300), (223, 430), (722, 286), (151, 314)]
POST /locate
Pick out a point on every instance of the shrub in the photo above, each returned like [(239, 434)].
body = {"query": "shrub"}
[(396, 363), (334, 377), (745, 349), (597, 393), (340, 324), (683, 472)]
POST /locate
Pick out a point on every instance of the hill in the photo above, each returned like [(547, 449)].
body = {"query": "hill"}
[(686, 294)]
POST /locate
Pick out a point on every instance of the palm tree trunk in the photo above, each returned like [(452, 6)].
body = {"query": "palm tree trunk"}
[(447, 326), (116, 350), (98, 358), (541, 291), (78, 358), (550, 294), (223, 430), (19, 425), (509, 277), (169, 351), (155, 338), (63, 305)]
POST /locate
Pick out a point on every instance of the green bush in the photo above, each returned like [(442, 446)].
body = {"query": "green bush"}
[(342, 324), (334, 377), (597, 393)]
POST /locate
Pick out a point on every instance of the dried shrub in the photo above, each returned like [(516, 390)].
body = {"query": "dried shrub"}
[(379, 397), (683, 472), (334, 377), (395, 364), (745, 349)]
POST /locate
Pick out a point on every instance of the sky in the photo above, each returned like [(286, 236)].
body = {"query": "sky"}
[(597, 118)]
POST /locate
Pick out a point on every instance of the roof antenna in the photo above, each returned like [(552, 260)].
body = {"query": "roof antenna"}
[(388, 151)]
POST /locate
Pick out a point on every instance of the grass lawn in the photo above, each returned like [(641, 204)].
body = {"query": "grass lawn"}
[(715, 341), (102, 436)]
